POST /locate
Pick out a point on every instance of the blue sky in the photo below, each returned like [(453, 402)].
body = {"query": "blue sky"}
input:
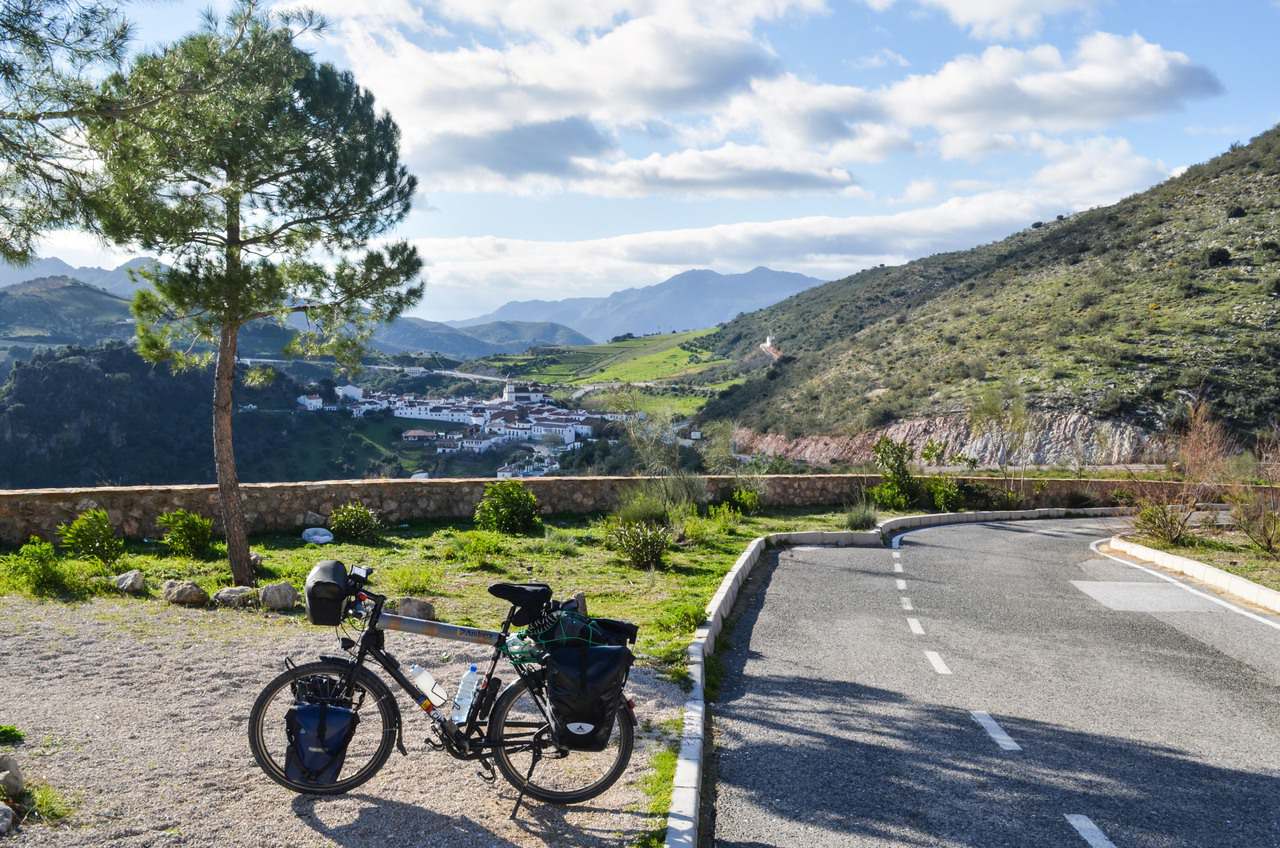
[(572, 148)]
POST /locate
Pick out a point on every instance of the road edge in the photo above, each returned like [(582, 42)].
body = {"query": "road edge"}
[(1232, 584), (686, 794)]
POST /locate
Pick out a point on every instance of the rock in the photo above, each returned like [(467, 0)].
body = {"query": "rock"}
[(185, 592), (415, 608), (279, 596), (236, 596), (11, 782), (255, 559), (131, 582), (315, 519), (6, 819)]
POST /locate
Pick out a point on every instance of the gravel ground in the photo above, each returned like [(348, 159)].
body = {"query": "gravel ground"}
[(138, 709)]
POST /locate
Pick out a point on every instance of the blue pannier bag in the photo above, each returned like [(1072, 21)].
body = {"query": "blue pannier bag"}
[(318, 738)]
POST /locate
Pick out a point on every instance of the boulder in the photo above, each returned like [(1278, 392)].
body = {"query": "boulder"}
[(255, 559), (279, 596), (415, 608), (185, 593), (313, 519), (236, 596), (131, 582), (11, 782), (6, 819)]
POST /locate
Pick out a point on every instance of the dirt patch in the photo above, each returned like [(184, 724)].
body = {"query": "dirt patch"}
[(138, 710)]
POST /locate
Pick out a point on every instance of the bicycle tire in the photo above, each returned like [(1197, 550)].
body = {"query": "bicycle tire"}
[(513, 775), (365, 679)]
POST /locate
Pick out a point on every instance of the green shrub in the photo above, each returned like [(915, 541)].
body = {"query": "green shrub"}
[(355, 522), (509, 507), (983, 496), (698, 530), (1078, 499), (476, 548), (36, 570), (1123, 497), (639, 506), (888, 495), (944, 493), (898, 489), (724, 517), (91, 536), (745, 501), (1164, 522), (10, 735), (643, 544), (187, 533), (861, 516), (1217, 257), (1258, 517)]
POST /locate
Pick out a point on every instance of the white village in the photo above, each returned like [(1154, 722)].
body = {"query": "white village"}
[(524, 413)]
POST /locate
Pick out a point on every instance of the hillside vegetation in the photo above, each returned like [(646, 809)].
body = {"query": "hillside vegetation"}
[(1119, 312), (659, 357)]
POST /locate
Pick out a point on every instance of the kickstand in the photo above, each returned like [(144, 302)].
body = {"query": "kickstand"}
[(485, 772), (533, 764)]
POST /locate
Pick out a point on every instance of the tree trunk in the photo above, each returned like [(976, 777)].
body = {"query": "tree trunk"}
[(224, 459)]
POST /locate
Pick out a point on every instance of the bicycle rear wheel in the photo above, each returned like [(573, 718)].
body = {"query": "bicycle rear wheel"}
[(528, 758), (371, 744)]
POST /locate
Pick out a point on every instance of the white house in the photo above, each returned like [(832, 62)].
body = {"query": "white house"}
[(311, 403)]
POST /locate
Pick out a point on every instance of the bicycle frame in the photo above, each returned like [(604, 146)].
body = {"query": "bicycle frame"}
[(461, 742)]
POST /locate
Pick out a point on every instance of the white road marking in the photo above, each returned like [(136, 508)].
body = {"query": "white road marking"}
[(897, 555), (1181, 585), (935, 660), (914, 624), (902, 584), (995, 731), (1089, 831), (906, 604), (897, 568)]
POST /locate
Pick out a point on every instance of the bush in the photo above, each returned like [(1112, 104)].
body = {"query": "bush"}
[(477, 548), (944, 493), (1164, 522), (899, 489), (1217, 257), (983, 496), (643, 544), (1123, 497), (1077, 499), (187, 534), (642, 507), (509, 507), (888, 495), (1235, 212), (745, 501), (355, 522), (861, 516), (91, 536), (1257, 517), (10, 735), (34, 569), (724, 517)]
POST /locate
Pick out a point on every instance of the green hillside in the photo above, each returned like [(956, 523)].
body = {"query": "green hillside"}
[(659, 357), (1118, 312), (60, 310)]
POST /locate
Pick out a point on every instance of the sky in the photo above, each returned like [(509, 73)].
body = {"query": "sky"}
[(576, 147)]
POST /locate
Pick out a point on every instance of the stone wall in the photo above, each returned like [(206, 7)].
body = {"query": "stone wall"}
[(289, 506)]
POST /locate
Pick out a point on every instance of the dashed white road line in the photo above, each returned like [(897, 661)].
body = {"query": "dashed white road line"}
[(914, 624), (1089, 831), (897, 555), (906, 604), (995, 731), (897, 567), (935, 660), (902, 584)]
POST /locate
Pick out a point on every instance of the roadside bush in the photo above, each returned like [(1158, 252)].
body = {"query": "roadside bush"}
[(725, 517), (861, 516), (36, 570), (1256, 516), (1077, 499), (1123, 497), (91, 536), (355, 522), (697, 529), (888, 495), (639, 506), (745, 501), (186, 533), (944, 493), (643, 544), (509, 507), (1164, 522), (983, 496), (898, 488)]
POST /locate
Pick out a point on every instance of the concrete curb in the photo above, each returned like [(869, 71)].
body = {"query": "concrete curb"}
[(686, 795), (1254, 593)]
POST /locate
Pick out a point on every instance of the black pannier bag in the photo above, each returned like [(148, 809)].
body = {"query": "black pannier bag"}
[(564, 627), (584, 688), (318, 738), (326, 593)]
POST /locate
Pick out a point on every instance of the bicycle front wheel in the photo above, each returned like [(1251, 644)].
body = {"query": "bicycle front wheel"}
[(528, 758), (371, 743)]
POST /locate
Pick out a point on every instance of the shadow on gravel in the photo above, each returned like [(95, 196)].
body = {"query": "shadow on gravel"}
[(380, 822), (825, 763)]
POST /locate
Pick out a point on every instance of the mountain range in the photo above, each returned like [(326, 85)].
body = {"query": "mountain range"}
[(687, 301), (1120, 313)]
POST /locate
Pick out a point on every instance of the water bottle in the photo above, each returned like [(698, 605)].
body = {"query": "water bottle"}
[(466, 694), (436, 695)]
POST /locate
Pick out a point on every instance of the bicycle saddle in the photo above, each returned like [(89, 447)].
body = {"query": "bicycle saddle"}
[(534, 595)]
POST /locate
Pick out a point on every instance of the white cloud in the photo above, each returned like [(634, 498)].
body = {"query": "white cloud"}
[(80, 249), (918, 191), (994, 19), (1094, 171), (569, 17), (882, 58)]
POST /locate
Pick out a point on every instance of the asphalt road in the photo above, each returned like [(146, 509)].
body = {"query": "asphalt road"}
[(1007, 687)]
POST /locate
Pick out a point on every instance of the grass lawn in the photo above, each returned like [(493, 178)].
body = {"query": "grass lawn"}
[(452, 565), (1229, 550)]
